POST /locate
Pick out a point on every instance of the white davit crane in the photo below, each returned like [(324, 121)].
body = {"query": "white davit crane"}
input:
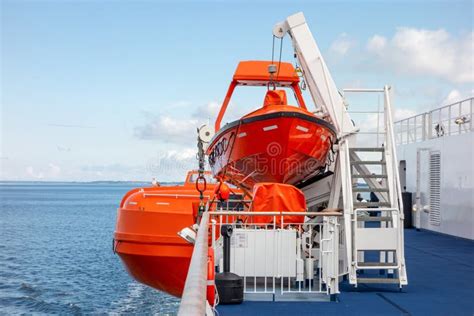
[(359, 217)]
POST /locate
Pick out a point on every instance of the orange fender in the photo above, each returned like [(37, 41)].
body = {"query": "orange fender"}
[(211, 291)]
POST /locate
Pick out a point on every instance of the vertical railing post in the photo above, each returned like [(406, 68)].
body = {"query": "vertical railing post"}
[(460, 115), (449, 120), (423, 126), (470, 115)]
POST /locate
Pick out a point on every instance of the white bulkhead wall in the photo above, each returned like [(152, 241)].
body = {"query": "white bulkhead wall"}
[(457, 181)]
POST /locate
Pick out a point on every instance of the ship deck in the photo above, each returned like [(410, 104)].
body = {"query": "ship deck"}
[(440, 272)]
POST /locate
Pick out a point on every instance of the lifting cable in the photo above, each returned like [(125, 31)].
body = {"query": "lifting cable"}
[(279, 59), (271, 68)]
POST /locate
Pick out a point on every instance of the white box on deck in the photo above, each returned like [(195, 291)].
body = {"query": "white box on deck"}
[(260, 252)]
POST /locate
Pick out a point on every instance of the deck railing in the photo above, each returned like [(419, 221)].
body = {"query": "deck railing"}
[(193, 301), (267, 254), (452, 119), (269, 268)]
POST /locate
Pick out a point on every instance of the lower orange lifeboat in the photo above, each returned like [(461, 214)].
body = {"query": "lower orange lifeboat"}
[(146, 234)]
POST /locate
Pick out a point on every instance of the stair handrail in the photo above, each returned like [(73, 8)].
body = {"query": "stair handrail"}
[(389, 125), (396, 177)]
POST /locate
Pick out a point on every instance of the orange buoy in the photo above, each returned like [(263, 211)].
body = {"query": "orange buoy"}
[(211, 290), (222, 191)]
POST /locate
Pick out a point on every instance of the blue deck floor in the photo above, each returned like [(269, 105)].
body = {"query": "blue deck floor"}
[(441, 282)]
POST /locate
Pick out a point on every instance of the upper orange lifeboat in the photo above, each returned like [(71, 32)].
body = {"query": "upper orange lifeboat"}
[(277, 143)]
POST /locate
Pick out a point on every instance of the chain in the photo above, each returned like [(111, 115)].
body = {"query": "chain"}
[(299, 72), (201, 184)]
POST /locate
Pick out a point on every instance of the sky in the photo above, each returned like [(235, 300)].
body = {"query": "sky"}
[(114, 90)]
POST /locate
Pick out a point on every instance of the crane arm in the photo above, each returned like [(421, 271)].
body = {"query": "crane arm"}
[(315, 71)]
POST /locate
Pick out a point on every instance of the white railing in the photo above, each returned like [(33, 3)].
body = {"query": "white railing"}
[(193, 301), (368, 119), (452, 119), (281, 257)]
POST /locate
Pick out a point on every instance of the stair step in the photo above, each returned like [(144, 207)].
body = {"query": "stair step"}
[(369, 176), (368, 149), (378, 280), (375, 264), (371, 204), (368, 162), (364, 218), (357, 189)]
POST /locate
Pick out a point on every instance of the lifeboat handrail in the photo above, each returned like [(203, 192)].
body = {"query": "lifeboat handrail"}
[(275, 213), (174, 195), (256, 78), (232, 200), (193, 301)]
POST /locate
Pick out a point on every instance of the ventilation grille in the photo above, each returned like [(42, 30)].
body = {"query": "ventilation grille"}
[(435, 188)]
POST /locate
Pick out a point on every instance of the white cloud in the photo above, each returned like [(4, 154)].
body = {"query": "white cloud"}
[(341, 45), (111, 171), (452, 97), (376, 44), (173, 164), (168, 129), (426, 52), (181, 131), (369, 123), (168, 165), (207, 112), (54, 170), (456, 95), (401, 114), (63, 149), (182, 155), (30, 171)]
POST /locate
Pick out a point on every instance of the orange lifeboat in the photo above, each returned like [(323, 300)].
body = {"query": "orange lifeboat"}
[(277, 143), (146, 234)]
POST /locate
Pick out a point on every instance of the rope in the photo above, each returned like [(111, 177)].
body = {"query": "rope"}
[(273, 48)]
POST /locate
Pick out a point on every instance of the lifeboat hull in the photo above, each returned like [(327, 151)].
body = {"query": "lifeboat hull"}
[(285, 146), (166, 274), (146, 236)]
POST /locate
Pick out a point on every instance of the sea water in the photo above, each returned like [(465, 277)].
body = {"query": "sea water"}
[(56, 252)]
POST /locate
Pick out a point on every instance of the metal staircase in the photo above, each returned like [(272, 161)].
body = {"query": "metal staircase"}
[(369, 227), (376, 223)]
